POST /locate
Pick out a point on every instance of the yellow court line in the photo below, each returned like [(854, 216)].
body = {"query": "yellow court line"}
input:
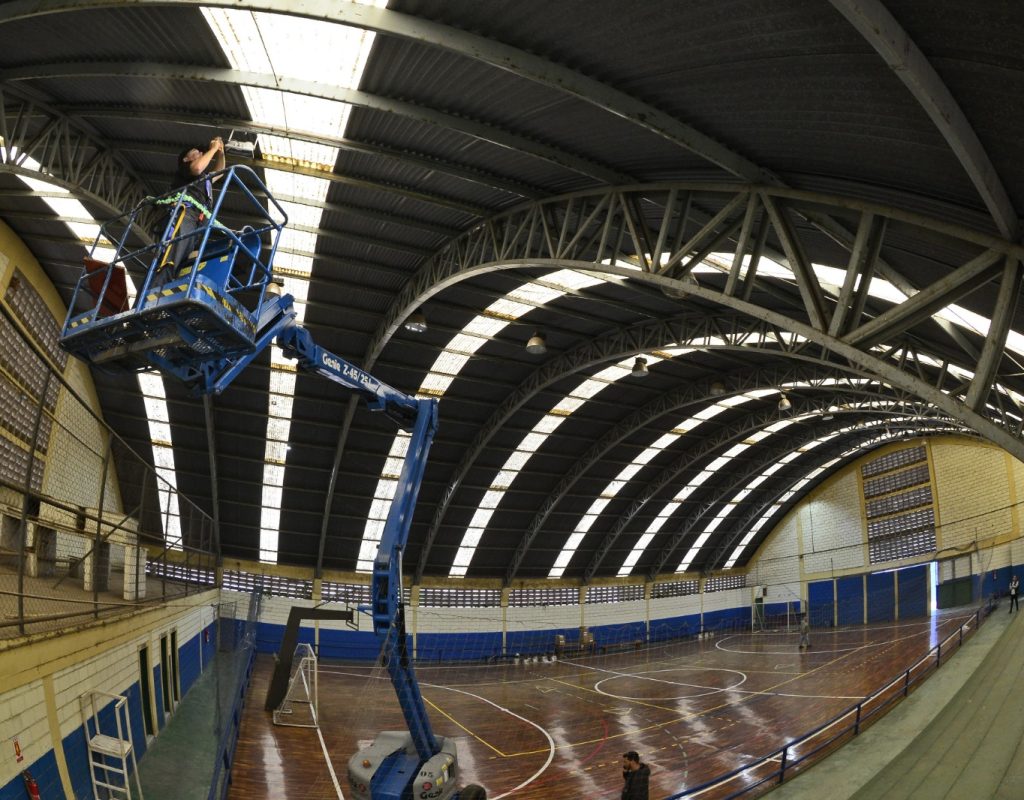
[(683, 718), (484, 742)]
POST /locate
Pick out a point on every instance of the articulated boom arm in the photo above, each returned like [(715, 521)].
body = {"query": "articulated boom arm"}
[(298, 344), (419, 415)]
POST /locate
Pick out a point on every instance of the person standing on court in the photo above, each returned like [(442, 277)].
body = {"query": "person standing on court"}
[(1014, 591), (193, 186), (805, 632), (637, 776)]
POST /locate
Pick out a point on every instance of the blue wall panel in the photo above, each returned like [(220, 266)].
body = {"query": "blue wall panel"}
[(820, 599), (669, 628), (997, 582), (882, 597), (850, 600), (134, 695), (913, 591), (189, 666), (359, 645), (44, 772), (77, 759), (268, 637), (727, 619), (457, 646), (529, 643), (613, 635)]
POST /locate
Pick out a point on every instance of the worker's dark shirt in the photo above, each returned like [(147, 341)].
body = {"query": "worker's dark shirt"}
[(636, 784)]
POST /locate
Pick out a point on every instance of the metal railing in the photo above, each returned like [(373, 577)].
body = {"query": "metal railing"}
[(229, 717), (83, 515), (774, 768)]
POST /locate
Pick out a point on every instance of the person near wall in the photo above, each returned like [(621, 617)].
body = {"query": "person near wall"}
[(637, 777), (1014, 592), (805, 633), (193, 186)]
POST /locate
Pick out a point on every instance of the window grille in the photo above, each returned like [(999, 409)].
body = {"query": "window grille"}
[(675, 589), (276, 585), (896, 503), (614, 594), (357, 594), (722, 582), (895, 460), (180, 573), (554, 596), (459, 598), (894, 481)]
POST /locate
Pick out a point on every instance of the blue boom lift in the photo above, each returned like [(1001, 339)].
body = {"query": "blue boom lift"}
[(206, 320)]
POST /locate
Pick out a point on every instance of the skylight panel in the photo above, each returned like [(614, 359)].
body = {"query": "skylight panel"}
[(485, 326), (163, 457), (548, 423), (504, 479), (568, 280), (436, 385), (613, 488), (308, 155), (588, 389), (491, 499), (465, 343), (517, 460), (508, 309), (299, 214), (567, 405), (708, 412), (630, 470), (534, 294), (481, 518), (450, 363), (272, 496)]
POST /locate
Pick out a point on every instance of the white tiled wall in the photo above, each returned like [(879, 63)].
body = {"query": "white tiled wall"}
[(665, 607), (23, 715), (832, 528), (539, 618), (458, 620), (613, 613), (730, 598), (973, 486)]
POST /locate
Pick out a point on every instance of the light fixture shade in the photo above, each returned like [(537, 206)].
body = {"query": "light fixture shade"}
[(640, 368), (537, 346), (717, 388), (784, 404), (417, 322)]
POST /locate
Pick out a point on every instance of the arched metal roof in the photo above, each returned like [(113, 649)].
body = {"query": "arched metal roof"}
[(814, 198)]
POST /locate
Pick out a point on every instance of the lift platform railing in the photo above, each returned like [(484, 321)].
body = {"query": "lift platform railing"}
[(229, 269)]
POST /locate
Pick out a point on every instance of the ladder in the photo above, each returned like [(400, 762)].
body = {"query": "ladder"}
[(110, 752)]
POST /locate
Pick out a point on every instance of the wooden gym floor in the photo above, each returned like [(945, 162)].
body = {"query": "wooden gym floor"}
[(693, 710)]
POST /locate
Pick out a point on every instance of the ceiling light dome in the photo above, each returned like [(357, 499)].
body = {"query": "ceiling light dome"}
[(537, 345)]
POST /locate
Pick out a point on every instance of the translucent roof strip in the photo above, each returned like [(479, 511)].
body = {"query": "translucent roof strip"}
[(530, 444), (616, 485), (289, 46)]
